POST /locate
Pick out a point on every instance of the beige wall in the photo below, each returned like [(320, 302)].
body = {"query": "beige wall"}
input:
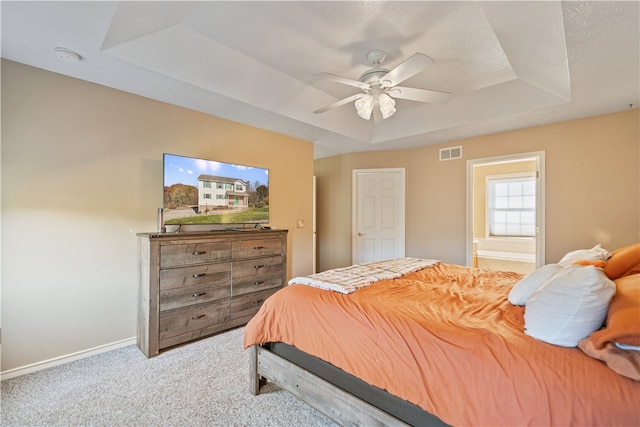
[(592, 189), (81, 175)]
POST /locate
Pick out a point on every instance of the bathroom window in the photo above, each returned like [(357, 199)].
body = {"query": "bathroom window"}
[(511, 207)]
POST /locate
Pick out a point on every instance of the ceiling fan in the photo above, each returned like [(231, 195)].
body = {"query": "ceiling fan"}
[(379, 86)]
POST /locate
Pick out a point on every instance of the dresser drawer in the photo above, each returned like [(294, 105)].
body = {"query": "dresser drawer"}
[(184, 320), (246, 306), (199, 275), (193, 253), (191, 295), (256, 268), (248, 285), (255, 248)]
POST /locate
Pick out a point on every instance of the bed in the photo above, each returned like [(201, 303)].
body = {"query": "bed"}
[(439, 346)]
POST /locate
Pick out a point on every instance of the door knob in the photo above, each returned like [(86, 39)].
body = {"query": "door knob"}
[(360, 234)]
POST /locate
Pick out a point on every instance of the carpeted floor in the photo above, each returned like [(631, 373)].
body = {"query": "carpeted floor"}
[(201, 384)]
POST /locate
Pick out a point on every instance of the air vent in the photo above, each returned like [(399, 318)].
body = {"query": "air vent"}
[(451, 153)]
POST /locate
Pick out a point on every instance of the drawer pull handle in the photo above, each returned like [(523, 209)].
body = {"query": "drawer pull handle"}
[(260, 301), (195, 276), (199, 253), (258, 266), (259, 283), (197, 317), (198, 294), (257, 248)]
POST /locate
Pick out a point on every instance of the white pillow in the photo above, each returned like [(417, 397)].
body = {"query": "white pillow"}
[(594, 254), (569, 306), (522, 290)]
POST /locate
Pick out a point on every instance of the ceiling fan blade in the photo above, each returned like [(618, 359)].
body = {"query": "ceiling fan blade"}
[(409, 68), (420, 95), (339, 103), (343, 80)]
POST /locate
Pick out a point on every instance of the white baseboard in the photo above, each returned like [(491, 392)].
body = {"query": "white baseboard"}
[(57, 361)]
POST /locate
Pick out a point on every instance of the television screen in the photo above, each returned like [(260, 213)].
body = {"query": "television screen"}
[(199, 191)]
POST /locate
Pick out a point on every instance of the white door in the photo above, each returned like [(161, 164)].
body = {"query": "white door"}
[(378, 214)]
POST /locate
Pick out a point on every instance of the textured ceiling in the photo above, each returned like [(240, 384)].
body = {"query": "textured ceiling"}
[(508, 64)]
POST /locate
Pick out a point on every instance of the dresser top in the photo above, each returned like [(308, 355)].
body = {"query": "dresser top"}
[(213, 233)]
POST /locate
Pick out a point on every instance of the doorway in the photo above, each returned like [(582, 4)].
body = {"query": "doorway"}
[(378, 214), (505, 212)]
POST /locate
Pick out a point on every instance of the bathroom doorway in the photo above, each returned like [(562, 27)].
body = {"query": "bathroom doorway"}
[(505, 212)]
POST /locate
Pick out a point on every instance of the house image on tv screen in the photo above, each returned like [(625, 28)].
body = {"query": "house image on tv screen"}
[(215, 192)]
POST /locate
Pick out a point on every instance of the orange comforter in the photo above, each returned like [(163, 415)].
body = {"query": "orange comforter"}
[(447, 339)]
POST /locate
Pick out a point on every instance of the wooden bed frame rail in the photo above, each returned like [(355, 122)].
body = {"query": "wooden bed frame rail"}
[(337, 404)]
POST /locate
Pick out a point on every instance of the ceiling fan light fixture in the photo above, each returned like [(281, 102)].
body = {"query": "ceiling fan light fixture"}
[(364, 106), (377, 83), (387, 105)]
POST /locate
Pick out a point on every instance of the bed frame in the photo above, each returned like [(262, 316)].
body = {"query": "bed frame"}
[(340, 396)]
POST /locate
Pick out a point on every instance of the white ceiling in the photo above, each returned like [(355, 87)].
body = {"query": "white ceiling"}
[(509, 65)]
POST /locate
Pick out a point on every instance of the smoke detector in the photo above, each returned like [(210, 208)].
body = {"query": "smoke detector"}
[(67, 55)]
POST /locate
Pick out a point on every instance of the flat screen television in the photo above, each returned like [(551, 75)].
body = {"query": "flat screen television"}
[(200, 191)]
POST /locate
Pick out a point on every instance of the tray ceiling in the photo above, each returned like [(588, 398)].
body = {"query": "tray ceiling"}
[(509, 65)]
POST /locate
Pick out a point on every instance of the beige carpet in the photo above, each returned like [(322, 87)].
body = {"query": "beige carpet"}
[(201, 384)]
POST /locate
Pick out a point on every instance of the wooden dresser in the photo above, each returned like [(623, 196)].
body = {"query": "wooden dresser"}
[(194, 284)]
